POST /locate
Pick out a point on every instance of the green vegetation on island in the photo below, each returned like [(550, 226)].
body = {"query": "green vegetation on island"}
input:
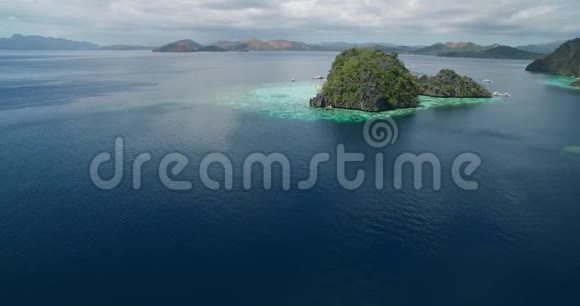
[(448, 84), (564, 61), (374, 81), (368, 80)]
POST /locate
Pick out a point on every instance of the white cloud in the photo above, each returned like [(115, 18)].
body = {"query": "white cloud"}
[(161, 20), (534, 12)]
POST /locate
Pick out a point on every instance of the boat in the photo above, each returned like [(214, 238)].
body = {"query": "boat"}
[(497, 94), (487, 81), (318, 77), (293, 80)]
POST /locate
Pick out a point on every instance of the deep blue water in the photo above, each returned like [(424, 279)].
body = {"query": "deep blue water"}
[(514, 241)]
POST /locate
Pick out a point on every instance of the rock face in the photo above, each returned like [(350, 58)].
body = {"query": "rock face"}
[(368, 80), (185, 45), (576, 84), (449, 84), (565, 60), (320, 101)]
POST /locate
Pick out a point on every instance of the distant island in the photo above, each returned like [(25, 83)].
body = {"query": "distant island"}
[(471, 50), (441, 49), (375, 81), (564, 61), (545, 48), (36, 42), (125, 48), (449, 49), (253, 44), (342, 46), (186, 45)]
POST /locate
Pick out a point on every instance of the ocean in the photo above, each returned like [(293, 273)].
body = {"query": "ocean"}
[(514, 240)]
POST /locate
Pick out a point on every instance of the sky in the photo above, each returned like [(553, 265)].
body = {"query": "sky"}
[(404, 22)]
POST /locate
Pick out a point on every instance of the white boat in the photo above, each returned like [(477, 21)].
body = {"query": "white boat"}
[(318, 77), (497, 94), (293, 80), (487, 81)]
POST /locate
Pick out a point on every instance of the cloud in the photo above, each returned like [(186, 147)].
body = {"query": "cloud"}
[(156, 21)]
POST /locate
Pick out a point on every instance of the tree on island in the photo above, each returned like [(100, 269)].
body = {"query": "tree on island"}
[(369, 80), (374, 81)]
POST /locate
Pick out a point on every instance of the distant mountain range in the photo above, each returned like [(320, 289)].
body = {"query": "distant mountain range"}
[(546, 48), (277, 45), (341, 46), (232, 45), (186, 45), (253, 44), (125, 48), (36, 42), (499, 52), (469, 49), (449, 49), (440, 48)]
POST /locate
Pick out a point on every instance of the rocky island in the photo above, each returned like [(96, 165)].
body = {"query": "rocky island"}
[(564, 61), (374, 81), (448, 84), (368, 80)]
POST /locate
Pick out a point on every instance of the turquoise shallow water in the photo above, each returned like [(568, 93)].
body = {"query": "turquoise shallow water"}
[(560, 81), (290, 101), (571, 149)]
